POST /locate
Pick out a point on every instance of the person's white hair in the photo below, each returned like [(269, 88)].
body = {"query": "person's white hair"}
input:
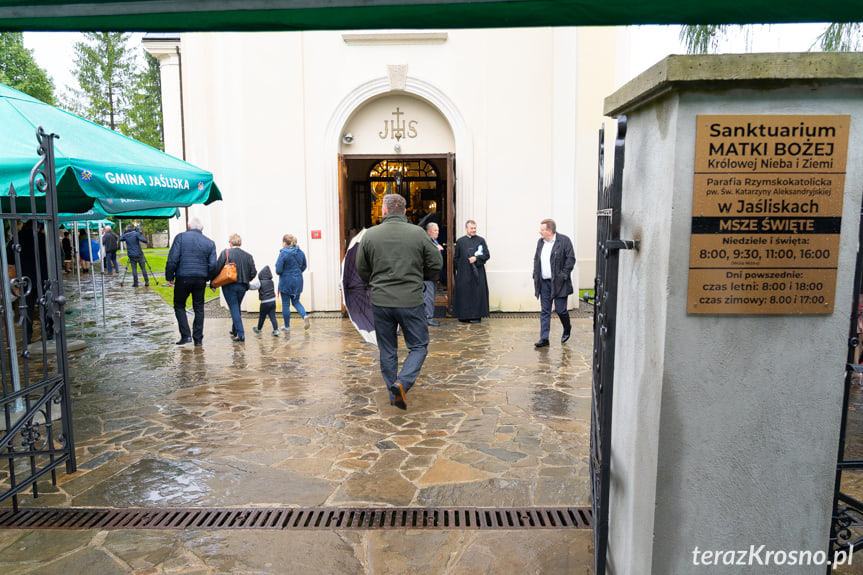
[(195, 223)]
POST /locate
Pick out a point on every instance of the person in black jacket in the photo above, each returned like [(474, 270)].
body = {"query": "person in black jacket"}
[(67, 252), (191, 263), (552, 268), (133, 237), (110, 243), (234, 292), (267, 294)]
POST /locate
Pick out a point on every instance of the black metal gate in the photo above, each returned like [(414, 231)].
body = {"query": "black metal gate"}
[(36, 437), (846, 528), (608, 244)]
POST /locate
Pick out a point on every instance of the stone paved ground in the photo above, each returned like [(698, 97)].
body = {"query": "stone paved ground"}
[(304, 420)]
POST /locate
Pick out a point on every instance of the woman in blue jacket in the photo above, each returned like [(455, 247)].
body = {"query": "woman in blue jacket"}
[(290, 267)]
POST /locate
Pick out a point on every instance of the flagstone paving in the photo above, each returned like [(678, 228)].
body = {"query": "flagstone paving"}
[(303, 419)]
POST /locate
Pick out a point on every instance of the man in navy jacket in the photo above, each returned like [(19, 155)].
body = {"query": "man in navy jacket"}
[(133, 239), (191, 264), (552, 268)]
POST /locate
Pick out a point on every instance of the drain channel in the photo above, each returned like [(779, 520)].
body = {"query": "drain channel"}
[(315, 518)]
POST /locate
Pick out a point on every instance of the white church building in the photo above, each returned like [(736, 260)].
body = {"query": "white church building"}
[(305, 131)]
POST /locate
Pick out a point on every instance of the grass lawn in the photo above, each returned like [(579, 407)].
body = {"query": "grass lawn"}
[(157, 258)]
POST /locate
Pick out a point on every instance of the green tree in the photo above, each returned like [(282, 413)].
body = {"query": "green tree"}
[(19, 70), (706, 38), (144, 113), (116, 95), (105, 71), (842, 37)]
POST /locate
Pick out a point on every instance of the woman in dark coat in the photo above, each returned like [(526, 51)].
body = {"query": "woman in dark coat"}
[(471, 286), (290, 267), (234, 292)]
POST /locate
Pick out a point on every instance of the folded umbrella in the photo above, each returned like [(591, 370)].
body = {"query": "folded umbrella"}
[(355, 294)]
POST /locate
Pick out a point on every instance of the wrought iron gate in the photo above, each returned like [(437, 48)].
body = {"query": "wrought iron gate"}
[(34, 391), (847, 521), (608, 244)]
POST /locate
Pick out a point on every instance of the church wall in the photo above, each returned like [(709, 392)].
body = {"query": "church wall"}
[(263, 126)]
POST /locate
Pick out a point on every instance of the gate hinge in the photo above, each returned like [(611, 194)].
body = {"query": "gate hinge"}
[(621, 245)]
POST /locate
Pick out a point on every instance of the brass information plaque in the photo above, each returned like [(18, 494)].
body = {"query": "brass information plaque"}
[(766, 214)]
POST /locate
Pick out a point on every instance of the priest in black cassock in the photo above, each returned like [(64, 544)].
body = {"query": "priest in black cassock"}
[(471, 285)]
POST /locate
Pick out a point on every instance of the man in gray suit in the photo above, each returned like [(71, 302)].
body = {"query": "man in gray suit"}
[(430, 287)]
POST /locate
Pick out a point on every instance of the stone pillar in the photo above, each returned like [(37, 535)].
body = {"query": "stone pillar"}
[(166, 48), (727, 411)]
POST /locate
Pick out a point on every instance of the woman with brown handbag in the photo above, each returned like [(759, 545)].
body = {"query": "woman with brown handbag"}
[(235, 291)]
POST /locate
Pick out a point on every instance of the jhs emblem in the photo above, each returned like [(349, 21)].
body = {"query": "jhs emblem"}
[(397, 129)]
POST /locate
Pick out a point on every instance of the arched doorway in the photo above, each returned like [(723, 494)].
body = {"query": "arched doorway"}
[(401, 144), (427, 183)]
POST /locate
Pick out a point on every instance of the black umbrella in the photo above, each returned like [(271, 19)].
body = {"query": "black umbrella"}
[(355, 294)]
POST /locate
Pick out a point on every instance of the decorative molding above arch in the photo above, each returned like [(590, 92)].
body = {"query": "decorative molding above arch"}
[(421, 89)]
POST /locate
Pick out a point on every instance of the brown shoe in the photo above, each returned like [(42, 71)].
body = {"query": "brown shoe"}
[(399, 393)]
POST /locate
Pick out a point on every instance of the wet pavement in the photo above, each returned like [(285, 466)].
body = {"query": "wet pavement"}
[(303, 419)]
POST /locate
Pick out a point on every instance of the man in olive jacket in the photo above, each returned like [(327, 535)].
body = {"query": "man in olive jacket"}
[(552, 270), (394, 259)]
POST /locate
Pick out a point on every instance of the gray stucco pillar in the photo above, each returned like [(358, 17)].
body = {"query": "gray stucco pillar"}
[(728, 388)]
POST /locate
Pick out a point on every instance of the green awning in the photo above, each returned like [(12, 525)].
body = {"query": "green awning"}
[(94, 166), (198, 15)]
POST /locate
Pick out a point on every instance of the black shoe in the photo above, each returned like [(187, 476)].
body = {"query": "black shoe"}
[(238, 339), (475, 321), (399, 393), (434, 323), (199, 343), (565, 337), (146, 285), (541, 343), (134, 285), (184, 340)]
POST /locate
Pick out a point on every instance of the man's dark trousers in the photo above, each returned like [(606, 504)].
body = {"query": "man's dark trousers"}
[(545, 300), (184, 286), (47, 322), (135, 261), (416, 332), (111, 262), (429, 289)]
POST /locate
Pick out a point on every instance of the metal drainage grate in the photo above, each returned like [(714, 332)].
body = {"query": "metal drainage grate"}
[(296, 518)]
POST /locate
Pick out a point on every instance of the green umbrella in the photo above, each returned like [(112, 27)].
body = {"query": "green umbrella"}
[(94, 166), (91, 224)]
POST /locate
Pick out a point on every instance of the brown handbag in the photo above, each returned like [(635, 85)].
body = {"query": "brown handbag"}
[(228, 275)]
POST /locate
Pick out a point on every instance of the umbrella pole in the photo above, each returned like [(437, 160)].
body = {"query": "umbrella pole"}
[(92, 265), (102, 273), (77, 251), (9, 312)]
